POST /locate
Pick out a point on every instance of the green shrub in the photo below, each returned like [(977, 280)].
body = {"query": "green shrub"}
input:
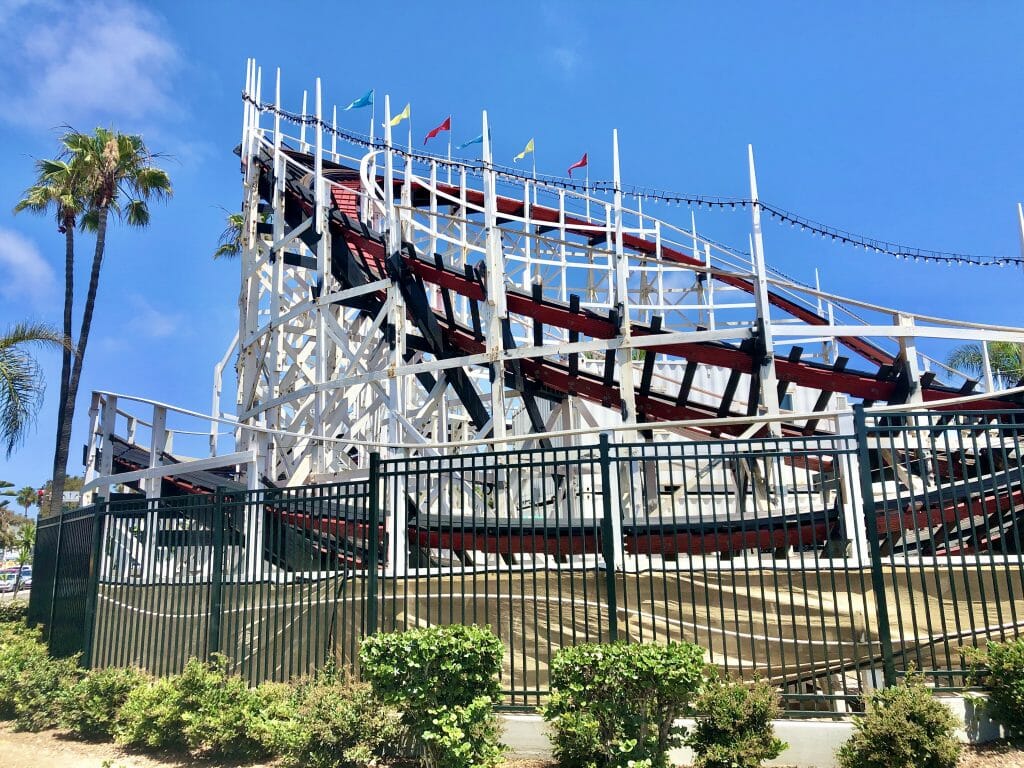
[(13, 611), (444, 680), (903, 727), (32, 684), (615, 705), (91, 707), (203, 709), (337, 724), (734, 725), (152, 718), (1000, 669)]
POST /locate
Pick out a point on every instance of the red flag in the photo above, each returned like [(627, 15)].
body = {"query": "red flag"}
[(445, 126), (578, 164)]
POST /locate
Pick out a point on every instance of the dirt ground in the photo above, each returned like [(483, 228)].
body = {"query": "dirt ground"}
[(52, 750)]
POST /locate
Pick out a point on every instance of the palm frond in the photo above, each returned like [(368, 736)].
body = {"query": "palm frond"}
[(230, 240)]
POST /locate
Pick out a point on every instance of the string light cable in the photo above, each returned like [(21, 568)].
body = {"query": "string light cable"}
[(835, 234)]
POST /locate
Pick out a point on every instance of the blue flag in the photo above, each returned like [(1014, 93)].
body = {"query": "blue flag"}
[(366, 100), (478, 140)]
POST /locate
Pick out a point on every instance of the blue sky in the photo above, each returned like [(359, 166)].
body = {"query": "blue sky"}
[(903, 123)]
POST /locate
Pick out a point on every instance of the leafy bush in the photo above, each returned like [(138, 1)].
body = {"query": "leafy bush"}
[(31, 683), (203, 709), (444, 680), (337, 724), (903, 727), (734, 725), (153, 718), (91, 707), (1000, 668), (13, 611), (615, 705)]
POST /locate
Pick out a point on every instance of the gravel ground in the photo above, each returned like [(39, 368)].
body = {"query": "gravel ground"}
[(50, 749)]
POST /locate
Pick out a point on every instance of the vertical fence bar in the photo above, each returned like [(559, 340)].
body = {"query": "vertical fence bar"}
[(91, 596), (608, 544), (56, 575), (871, 526), (373, 544), (216, 575)]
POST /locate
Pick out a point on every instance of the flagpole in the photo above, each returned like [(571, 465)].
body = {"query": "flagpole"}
[(586, 188), (373, 157), (534, 153), (449, 153)]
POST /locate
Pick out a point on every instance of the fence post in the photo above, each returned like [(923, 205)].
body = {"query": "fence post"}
[(871, 529), (91, 596), (216, 575), (607, 541), (373, 544), (56, 575)]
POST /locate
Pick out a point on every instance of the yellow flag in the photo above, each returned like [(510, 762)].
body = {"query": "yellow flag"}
[(526, 150), (404, 114)]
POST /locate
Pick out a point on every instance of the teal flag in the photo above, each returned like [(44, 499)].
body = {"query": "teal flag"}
[(366, 100), (478, 140)]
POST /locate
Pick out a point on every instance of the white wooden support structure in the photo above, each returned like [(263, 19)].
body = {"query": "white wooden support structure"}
[(766, 373)]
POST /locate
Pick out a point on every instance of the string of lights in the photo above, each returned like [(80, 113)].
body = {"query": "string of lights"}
[(836, 235)]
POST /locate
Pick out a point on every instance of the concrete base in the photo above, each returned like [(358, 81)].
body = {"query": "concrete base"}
[(812, 743)]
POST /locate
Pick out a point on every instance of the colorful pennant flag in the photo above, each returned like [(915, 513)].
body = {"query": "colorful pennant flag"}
[(366, 100), (526, 150), (578, 164), (445, 126), (403, 115), (478, 140)]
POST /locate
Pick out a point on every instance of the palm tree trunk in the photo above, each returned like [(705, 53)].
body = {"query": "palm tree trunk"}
[(59, 465), (60, 471)]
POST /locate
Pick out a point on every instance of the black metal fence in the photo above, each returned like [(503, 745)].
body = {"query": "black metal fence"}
[(825, 564)]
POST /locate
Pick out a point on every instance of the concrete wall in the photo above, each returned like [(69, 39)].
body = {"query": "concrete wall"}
[(812, 743)]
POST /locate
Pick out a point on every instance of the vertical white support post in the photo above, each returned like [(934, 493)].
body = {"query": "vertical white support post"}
[(619, 478), (253, 510), (908, 352), (322, 274), (397, 539), (849, 477), (108, 417), (334, 133), (256, 133), (710, 287), (986, 364), (157, 445), (1020, 228), (247, 108), (624, 354), (527, 238), (495, 290), (563, 292), (769, 382), (90, 458), (662, 297), (277, 275)]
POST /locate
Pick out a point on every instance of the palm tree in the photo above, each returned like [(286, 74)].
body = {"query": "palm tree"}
[(21, 381), (26, 498), (58, 188), (25, 545), (96, 174), (229, 244), (1005, 357)]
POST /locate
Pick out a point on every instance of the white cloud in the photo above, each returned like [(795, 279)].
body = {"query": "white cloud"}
[(151, 321), (68, 62), (562, 21), (567, 59), (25, 277)]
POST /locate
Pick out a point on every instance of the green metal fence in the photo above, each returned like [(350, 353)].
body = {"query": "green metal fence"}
[(824, 564)]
